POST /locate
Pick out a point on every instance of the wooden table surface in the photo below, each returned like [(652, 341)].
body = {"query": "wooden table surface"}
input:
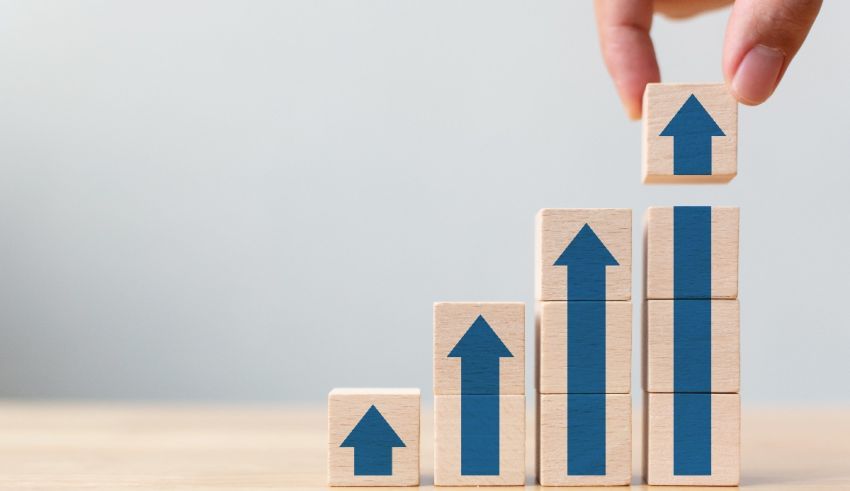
[(173, 447)]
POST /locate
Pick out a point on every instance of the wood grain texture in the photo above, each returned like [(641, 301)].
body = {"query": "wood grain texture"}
[(551, 347), (451, 321), (447, 448), (400, 407), (725, 442), (214, 447), (552, 442), (659, 252), (556, 228), (725, 346), (660, 103)]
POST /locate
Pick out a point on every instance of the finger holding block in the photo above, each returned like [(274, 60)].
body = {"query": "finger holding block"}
[(584, 254), (690, 133), (693, 439), (479, 440), (584, 439), (609, 347), (479, 348), (692, 252), (710, 359), (373, 437)]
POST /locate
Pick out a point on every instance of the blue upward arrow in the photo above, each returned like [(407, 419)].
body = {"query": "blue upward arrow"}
[(692, 128), (586, 259), (479, 350), (373, 440)]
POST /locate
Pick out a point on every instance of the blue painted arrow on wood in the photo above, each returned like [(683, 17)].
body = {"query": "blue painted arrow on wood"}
[(373, 440), (692, 128), (479, 350), (586, 259)]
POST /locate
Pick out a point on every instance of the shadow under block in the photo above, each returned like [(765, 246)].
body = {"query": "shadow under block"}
[(373, 437), (487, 340), (723, 346), (698, 449), (553, 332), (690, 133), (608, 247), (691, 254), (586, 448), (479, 440)]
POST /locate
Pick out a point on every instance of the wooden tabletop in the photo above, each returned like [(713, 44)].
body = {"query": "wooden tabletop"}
[(117, 447)]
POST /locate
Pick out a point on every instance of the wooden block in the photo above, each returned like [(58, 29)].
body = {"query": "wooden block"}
[(373, 437), (723, 343), (690, 133), (554, 445), (556, 229), (491, 333), (703, 241), (708, 451), (482, 444), (552, 323)]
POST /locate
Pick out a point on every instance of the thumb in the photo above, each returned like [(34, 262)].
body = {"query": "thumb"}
[(761, 39)]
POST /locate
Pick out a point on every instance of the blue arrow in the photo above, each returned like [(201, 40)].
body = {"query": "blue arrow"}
[(479, 350), (586, 259), (692, 128), (373, 440)]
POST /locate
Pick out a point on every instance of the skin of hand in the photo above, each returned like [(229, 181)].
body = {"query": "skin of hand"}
[(762, 38)]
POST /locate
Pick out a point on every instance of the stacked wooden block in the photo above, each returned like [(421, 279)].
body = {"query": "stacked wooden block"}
[(691, 312), (583, 323), (479, 394)]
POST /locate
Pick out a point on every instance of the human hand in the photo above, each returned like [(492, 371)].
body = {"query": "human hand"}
[(761, 39)]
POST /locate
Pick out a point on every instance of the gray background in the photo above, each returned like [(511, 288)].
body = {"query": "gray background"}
[(260, 200)]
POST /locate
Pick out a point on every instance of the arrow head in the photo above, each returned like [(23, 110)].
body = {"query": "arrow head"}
[(692, 120), (372, 431), (480, 341), (586, 249)]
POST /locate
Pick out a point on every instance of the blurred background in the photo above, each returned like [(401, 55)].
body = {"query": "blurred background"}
[(259, 201)]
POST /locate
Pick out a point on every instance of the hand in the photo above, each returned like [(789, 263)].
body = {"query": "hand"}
[(761, 39)]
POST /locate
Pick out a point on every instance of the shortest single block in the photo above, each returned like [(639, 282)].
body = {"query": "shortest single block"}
[(373, 437), (698, 359), (690, 133), (479, 440), (584, 439), (693, 439)]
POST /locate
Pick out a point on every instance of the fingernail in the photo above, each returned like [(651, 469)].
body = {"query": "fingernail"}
[(758, 74)]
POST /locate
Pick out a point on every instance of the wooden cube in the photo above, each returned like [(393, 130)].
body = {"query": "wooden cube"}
[(601, 350), (592, 446), (691, 252), (690, 133), (486, 341), (576, 246), (373, 437), (701, 447), (715, 345), (479, 440)]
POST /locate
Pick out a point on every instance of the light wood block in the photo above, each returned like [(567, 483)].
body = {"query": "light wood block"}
[(448, 446), (725, 442), (453, 320), (552, 442), (400, 409), (725, 346), (556, 228), (552, 334), (659, 237), (699, 140)]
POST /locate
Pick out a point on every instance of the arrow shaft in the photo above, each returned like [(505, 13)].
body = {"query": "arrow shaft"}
[(585, 282), (691, 434), (372, 460), (479, 435), (586, 434), (586, 347), (692, 155), (479, 375)]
